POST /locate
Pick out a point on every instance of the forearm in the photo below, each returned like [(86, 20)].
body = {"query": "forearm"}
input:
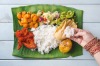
[(97, 57), (94, 49)]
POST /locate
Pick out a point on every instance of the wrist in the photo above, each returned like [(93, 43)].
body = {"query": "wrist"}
[(90, 44), (93, 46), (95, 49), (87, 41)]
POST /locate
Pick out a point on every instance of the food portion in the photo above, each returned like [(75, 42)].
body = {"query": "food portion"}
[(44, 39), (45, 31), (27, 19), (65, 46), (69, 32), (25, 38), (47, 17), (61, 33), (63, 16)]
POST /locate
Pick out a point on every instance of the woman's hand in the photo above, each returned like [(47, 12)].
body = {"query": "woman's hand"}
[(82, 37)]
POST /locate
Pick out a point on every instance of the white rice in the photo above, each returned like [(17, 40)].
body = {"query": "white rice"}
[(44, 38), (69, 31)]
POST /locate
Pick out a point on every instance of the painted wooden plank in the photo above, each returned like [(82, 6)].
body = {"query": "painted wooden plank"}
[(94, 28), (91, 12), (6, 30), (49, 2), (6, 47), (48, 63)]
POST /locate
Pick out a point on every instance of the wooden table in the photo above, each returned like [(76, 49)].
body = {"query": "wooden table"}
[(91, 22)]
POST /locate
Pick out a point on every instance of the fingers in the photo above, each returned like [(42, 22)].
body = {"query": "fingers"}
[(79, 34), (77, 39), (78, 30)]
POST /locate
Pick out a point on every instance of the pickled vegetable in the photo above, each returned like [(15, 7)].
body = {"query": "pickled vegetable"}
[(70, 14)]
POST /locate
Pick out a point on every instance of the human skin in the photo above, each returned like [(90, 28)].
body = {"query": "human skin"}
[(82, 37)]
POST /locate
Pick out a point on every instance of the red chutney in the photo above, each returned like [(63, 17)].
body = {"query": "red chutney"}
[(25, 38)]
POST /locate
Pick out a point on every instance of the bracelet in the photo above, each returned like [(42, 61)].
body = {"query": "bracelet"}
[(95, 49), (90, 44), (93, 46)]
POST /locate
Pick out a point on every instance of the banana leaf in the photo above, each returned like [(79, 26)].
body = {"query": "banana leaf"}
[(27, 53)]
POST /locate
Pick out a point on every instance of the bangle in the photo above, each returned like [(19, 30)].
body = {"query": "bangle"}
[(95, 49), (90, 44), (93, 46)]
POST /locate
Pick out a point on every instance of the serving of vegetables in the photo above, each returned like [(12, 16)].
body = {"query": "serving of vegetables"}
[(43, 31), (33, 20), (27, 19)]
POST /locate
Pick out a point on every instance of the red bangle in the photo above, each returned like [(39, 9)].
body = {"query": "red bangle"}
[(93, 46), (95, 49), (90, 44)]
